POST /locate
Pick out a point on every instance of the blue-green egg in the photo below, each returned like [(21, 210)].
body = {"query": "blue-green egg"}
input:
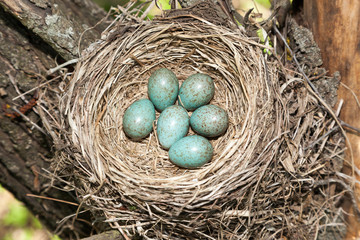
[(138, 119), (163, 88), (209, 121), (191, 152), (196, 91), (172, 125)]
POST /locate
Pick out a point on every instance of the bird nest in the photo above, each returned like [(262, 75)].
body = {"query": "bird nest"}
[(268, 176)]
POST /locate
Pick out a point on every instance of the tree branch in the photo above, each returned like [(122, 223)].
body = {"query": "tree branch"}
[(59, 23), (33, 33)]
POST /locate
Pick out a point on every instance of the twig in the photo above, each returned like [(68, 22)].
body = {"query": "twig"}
[(346, 187), (122, 231), (52, 70), (318, 96), (313, 88), (321, 138), (297, 63), (12, 80), (29, 120), (35, 88), (349, 126), (52, 199), (88, 29), (352, 93), (148, 9), (332, 128)]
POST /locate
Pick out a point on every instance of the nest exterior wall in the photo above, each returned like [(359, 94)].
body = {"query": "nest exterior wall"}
[(264, 166)]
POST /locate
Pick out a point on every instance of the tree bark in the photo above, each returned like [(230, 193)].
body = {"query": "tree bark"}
[(58, 23), (335, 25), (110, 235), (33, 33)]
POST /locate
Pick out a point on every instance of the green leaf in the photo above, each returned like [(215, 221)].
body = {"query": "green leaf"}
[(36, 223), (55, 237), (7, 237), (264, 39), (265, 3), (25, 234), (164, 4), (17, 216), (28, 234)]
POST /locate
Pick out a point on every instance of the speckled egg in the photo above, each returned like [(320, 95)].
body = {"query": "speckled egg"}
[(138, 119), (196, 91), (163, 88), (172, 125), (209, 121), (191, 152)]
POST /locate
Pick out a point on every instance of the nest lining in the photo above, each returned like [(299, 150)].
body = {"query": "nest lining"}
[(145, 164), (262, 169)]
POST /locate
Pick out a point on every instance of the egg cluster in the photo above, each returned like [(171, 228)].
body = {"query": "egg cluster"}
[(174, 121)]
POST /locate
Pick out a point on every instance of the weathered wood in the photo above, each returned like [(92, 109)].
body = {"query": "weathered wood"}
[(58, 23), (29, 45), (335, 25)]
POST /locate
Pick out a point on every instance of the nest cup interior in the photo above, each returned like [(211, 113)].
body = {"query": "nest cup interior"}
[(118, 76), (117, 82)]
